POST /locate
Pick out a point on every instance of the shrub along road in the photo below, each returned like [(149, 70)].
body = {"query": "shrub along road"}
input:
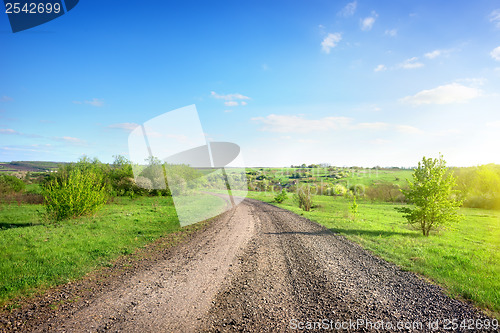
[(260, 268)]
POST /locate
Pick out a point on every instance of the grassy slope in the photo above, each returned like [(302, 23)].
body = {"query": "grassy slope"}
[(34, 256), (465, 258)]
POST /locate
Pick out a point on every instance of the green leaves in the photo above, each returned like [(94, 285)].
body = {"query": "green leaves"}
[(75, 193), (431, 191)]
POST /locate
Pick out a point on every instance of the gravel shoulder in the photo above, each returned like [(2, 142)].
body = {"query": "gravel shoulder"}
[(256, 268)]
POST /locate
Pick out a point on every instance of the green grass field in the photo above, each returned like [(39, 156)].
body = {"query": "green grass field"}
[(464, 258), (34, 255)]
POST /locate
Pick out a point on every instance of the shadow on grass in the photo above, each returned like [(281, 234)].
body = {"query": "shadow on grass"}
[(373, 233), (331, 231), (5, 225)]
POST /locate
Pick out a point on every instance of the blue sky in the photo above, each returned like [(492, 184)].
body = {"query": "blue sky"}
[(348, 83)]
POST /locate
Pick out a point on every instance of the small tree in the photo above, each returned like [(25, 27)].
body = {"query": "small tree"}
[(354, 207), (281, 196), (431, 191), (303, 197)]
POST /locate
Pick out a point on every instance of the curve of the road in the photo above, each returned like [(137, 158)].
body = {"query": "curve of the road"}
[(259, 268)]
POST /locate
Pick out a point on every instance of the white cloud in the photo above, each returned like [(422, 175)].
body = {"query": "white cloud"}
[(380, 68), (367, 22), (349, 9), (124, 126), (473, 82), (297, 124), (407, 129), (243, 103), (227, 111), (231, 103), (446, 94), (94, 102), (70, 139), (379, 141), (433, 54), (495, 54), (6, 99), (411, 63), (392, 32), (373, 126), (438, 53), (330, 41), (9, 131), (229, 97), (495, 18)]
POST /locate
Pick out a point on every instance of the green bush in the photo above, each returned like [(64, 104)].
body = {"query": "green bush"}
[(9, 184), (281, 196), (303, 197), (75, 193)]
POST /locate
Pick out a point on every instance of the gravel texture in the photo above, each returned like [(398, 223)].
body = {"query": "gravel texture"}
[(257, 268)]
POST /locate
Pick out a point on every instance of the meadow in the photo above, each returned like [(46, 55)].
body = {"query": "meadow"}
[(463, 258), (36, 254)]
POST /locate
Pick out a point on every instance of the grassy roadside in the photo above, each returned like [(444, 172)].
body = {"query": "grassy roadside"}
[(465, 258), (35, 256)]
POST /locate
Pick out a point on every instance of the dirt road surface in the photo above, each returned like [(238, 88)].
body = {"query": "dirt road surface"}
[(259, 268)]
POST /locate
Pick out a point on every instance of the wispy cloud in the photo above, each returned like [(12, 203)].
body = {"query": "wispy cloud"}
[(9, 131), (373, 126), (379, 141), (495, 54), (124, 126), (495, 18), (445, 94), (6, 99), (367, 23), (437, 53), (229, 97), (349, 9), (29, 148), (70, 139), (231, 100), (433, 54), (67, 139), (330, 41), (411, 63), (380, 68), (298, 124), (392, 32), (97, 102), (407, 129)]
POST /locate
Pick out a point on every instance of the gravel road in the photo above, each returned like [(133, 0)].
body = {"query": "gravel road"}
[(259, 268)]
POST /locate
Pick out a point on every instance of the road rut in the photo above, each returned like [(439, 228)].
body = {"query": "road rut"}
[(259, 268)]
